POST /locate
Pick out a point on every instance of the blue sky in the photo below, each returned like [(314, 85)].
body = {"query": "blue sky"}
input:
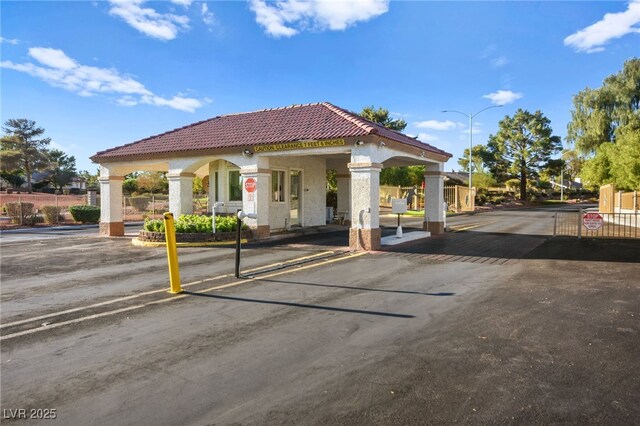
[(100, 74)]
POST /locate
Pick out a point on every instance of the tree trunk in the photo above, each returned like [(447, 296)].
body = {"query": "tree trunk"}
[(523, 184), (27, 174)]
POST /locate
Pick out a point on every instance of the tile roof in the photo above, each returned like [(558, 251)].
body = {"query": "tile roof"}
[(264, 127)]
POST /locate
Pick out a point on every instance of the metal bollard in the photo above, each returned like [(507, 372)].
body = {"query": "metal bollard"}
[(240, 215), (172, 253)]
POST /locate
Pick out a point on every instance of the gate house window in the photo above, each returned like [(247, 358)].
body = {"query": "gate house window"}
[(235, 187), (277, 186)]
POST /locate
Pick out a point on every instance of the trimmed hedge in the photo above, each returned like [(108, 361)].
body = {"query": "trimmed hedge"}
[(188, 224), (85, 214)]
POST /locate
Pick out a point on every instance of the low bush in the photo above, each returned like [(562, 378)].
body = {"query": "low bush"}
[(19, 212), (85, 214), (52, 214), (154, 225), (189, 224)]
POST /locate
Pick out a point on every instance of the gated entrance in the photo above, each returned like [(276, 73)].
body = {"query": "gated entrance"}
[(580, 223)]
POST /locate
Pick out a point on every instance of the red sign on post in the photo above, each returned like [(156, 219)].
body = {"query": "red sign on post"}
[(250, 184), (592, 221)]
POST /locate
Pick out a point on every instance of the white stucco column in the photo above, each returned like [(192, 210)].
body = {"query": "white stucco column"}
[(111, 219), (343, 180), (434, 198), (365, 232), (181, 193), (258, 178)]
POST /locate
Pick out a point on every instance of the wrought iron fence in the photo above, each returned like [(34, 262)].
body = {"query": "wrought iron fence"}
[(580, 223), (141, 207)]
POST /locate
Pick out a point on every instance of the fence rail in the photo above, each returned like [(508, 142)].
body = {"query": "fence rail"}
[(31, 209), (614, 225)]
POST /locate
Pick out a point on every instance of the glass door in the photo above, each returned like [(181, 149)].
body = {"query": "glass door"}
[(295, 199)]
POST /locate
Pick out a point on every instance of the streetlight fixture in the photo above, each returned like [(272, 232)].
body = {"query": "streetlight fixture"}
[(470, 117)]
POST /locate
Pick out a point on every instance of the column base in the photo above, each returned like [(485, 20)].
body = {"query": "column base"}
[(261, 232), (111, 229), (365, 239), (434, 227)]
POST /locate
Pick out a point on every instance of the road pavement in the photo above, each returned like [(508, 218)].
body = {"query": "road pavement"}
[(493, 322)]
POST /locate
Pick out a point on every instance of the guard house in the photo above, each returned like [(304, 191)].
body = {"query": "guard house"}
[(273, 163)]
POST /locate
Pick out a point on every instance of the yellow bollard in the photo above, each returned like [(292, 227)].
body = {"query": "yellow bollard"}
[(172, 253)]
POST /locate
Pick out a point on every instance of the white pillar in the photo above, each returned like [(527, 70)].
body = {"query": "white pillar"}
[(111, 219), (434, 198), (365, 232), (343, 181), (258, 200), (181, 193)]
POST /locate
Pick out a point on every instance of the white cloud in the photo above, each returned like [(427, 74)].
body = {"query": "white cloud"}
[(436, 125), (59, 70), (503, 97), (285, 18), (425, 137), (207, 17), (613, 25), (163, 26), (13, 41), (185, 3), (499, 62)]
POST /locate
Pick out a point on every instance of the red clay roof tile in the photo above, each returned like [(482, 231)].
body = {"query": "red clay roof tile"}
[(269, 126)]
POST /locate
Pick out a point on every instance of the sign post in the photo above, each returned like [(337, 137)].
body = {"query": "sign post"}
[(398, 206)]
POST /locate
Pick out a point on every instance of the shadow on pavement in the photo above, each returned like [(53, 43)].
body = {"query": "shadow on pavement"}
[(478, 244), (301, 305), (420, 293), (588, 249)]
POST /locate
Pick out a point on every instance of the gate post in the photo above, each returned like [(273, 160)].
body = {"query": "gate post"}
[(580, 223)]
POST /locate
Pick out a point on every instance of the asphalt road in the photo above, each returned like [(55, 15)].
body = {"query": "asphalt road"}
[(490, 323)]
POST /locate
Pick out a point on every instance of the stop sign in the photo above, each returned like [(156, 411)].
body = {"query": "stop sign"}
[(592, 221), (250, 184)]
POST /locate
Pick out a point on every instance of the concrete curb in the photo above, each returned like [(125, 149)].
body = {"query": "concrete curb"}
[(61, 228), (138, 243)]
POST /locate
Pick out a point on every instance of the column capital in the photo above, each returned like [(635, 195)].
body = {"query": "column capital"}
[(181, 175), (254, 171), (365, 166), (107, 179)]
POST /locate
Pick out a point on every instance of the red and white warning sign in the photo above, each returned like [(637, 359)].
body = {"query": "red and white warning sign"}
[(592, 221), (250, 184)]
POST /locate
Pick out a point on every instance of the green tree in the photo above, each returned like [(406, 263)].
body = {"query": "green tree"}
[(598, 114), (573, 163), (15, 179), (605, 129), (381, 116), (22, 148), (525, 142), (91, 180), (152, 182), (62, 168), (479, 156), (403, 176)]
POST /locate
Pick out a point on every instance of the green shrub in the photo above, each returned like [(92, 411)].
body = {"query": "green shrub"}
[(155, 225), (19, 212), (52, 214), (85, 214), (189, 224)]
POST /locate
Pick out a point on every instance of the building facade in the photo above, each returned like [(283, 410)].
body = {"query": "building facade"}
[(273, 163)]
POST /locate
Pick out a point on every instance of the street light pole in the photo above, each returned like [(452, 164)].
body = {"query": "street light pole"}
[(470, 117)]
